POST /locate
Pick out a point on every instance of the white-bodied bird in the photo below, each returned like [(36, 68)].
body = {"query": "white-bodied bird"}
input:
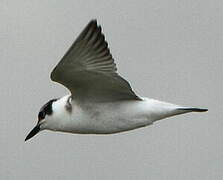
[(101, 101)]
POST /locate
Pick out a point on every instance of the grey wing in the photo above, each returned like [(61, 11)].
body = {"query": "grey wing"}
[(88, 69)]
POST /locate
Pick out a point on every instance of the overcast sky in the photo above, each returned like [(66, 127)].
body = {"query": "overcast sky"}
[(167, 50)]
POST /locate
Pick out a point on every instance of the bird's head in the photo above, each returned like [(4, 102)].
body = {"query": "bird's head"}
[(44, 113)]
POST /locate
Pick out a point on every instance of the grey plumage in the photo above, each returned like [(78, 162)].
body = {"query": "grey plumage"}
[(88, 69)]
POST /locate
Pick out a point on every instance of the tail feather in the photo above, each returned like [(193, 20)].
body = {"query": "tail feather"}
[(193, 109)]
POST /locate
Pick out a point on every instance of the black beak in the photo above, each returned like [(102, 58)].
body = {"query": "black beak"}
[(34, 131)]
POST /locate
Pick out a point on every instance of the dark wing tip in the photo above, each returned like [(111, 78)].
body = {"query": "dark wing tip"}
[(200, 110), (93, 23), (194, 109)]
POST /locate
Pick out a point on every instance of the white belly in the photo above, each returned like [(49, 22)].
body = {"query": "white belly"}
[(107, 118)]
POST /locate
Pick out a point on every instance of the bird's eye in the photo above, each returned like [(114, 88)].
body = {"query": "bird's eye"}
[(41, 115)]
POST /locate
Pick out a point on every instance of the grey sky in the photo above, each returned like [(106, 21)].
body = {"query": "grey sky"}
[(168, 50)]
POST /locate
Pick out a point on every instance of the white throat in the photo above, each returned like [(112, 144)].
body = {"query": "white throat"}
[(60, 115)]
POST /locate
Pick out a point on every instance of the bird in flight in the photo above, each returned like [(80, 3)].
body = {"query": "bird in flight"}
[(101, 101)]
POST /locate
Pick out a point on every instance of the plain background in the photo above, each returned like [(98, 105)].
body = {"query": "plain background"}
[(168, 50)]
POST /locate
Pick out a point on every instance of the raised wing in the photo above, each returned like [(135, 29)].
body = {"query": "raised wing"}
[(88, 69)]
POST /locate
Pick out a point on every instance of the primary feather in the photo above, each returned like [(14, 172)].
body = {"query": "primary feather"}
[(88, 69)]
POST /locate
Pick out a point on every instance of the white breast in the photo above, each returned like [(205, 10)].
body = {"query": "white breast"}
[(106, 118)]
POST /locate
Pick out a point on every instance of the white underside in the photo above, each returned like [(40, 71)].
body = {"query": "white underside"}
[(106, 118)]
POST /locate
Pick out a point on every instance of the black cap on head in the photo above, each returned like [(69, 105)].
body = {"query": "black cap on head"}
[(45, 110)]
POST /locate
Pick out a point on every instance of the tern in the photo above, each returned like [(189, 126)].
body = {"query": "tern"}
[(101, 101)]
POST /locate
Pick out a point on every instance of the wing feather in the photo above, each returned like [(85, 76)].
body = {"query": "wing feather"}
[(88, 69)]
